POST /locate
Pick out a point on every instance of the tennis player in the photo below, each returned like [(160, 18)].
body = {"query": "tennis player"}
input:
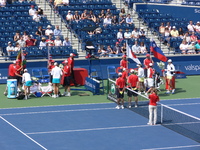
[(153, 99), (170, 73), (67, 73), (141, 78), (133, 83), (26, 79), (120, 87), (56, 73)]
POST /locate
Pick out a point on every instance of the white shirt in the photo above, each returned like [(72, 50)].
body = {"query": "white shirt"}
[(107, 21), (48, 32), (32, 11), (56, 72), (135, 34), (36, 18), (26, 77), (10, 48), (127, 35), (136, 49), (183, 47), (43, 44), (119, 35), (58, 42), (191, 27), (69, 17), (140, 72), (170, 69)]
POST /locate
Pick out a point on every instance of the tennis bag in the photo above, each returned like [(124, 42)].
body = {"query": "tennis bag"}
[(20, 95)]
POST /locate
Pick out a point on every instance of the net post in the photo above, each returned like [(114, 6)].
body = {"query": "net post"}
[(161, 117)]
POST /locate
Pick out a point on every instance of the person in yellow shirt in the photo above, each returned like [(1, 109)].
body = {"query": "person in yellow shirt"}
[(174, 32)]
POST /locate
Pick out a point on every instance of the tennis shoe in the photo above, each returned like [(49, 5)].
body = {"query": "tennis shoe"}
[(64, 94), (168, 92), (68, 94), (117, 107), (25, 98), (149, 123), (18, 90), (136, 106), (122, 107), (173, 91), (54, 96), (129, 106)]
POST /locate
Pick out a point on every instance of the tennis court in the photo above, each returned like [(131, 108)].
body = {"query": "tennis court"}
[(84, 127)]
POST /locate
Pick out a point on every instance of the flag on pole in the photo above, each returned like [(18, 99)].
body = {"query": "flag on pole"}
[(157, 52), (131, 54)]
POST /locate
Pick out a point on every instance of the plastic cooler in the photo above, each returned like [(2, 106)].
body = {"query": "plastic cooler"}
[(12, 88)]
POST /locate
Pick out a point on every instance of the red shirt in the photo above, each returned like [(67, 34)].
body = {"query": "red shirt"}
[(123, 63), (50, 42), (153, 99), (67, 71), (147, 62), (120, 82), (124, 75), (30, 42), (133, 79), (17, 67), (71, 62), (11, 70)]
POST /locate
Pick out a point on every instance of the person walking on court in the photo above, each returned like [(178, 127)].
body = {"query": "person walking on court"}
[(146, 62), (133, 83), (153, 99), (56, 73), (26, 79), (170, 73), (67, 76), (71, 64), (120, 87), (141, 78)]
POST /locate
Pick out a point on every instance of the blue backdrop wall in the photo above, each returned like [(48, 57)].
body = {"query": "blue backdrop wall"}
[(187, 64), (189, 12)]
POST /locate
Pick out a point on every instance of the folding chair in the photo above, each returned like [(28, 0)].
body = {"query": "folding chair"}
[(46, 90)]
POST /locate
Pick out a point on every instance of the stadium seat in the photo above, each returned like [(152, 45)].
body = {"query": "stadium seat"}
[(44, 72), (111, 70), (36, 73)]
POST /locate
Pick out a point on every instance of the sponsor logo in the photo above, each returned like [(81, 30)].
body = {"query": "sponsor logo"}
[(192, 67), (112, 88), (197, 11)]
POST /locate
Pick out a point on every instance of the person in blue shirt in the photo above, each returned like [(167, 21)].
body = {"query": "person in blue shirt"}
[(57, 31), (66, 42)]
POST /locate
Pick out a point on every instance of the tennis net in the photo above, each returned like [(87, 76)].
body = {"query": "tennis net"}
[(167, 116)]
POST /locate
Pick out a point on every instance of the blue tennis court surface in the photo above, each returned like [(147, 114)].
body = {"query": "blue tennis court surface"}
[(84, 127)]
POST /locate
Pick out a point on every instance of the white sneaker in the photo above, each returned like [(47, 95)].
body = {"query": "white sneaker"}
[(149, 123), (122, 107), (25, 98), (65, 94), (117, 107), (54, 96), (68, 94), (168, 92), (173, 91), (129, 106), (136, 105), (57, 96), (18, 90)]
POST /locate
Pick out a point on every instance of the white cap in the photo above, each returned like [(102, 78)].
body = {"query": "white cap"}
[(132, 71), (48, 26), (139, 65), (69, 11), (169, 60), (66, 61), (71, 54), (25, 70), (142, 27), (55, 64), (14, 62), (9, 42), (174, 27), (120, 74), (124, 69), (150, 64), (198, 22)]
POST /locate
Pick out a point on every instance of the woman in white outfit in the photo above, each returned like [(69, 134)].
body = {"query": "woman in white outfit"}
[(26, 79), (170, 73)]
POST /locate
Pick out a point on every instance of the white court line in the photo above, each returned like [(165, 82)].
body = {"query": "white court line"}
[(179, 99), (92, 129), (23, 133), (182, 104), (176, 147), (56, 111)]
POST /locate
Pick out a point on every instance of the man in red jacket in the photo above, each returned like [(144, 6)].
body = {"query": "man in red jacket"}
[(67, 76)]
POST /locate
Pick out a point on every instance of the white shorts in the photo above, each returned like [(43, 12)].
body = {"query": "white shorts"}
[(150, 82)]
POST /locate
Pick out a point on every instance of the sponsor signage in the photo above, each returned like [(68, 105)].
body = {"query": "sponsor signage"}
[(92, 85)]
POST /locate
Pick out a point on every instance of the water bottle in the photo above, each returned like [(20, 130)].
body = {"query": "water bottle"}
[(12, 88)]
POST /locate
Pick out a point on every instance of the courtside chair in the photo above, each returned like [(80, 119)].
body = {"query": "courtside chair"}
[(111, 71), (36, 73), (44, 73)]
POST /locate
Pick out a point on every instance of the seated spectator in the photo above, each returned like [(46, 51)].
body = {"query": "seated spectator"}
[(187, 37), (191, 48), (191, 27), (122, 19), (32, 10), (56, 4), (69, 17), (40, 31), (101, 16), (115, 20), (120, 36), (65, 2), (50, 41), (40, 11), (91, 16), (197, 47), (135, 34), (136, 48), (107, 21), (183, 47), (57, 41), (102, 52), (127, 34), (166, 39), (124, 48), (193, 37), (122, 12), (162, 29), (129, 19), (21, 42), (36, 17), (143, 49), (109, 50), (30, 41), (48, 31), (57, 31), (66, 42), (25, 36), (108, 12), (174, 32), (84, 15), (180, 32), (76, 16), (17, 36), (197, 27), (9, 48), (142, 33), (2, 3), (117, 49), (43, 43), (168, 25), (17, 47)]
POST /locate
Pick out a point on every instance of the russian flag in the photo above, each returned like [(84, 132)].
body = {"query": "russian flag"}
[(157, 52)]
